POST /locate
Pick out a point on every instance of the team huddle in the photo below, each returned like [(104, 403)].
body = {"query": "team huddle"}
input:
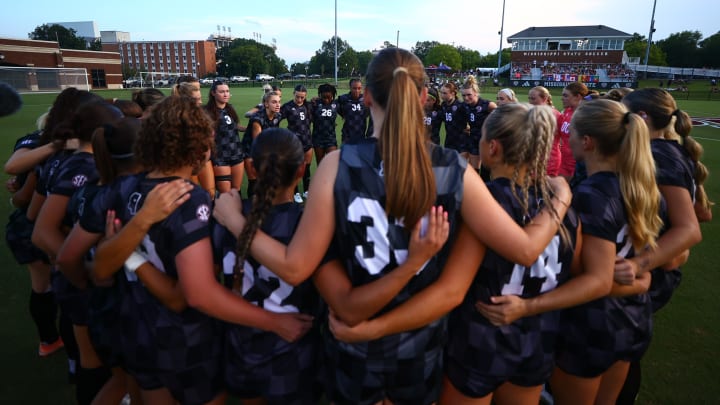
[(399, 276)]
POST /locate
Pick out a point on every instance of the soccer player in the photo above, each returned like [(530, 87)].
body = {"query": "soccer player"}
[(325, 112), (354, 112), (476, 110), (572, 95), (680, 176), (365, 199), (433, 116), (57, 216), (230, 154), (505, 96), (455, 119), (540, 95), (259, 363), (618, 205), (298, 113), (509, 363), (30, 151), (267, 117)]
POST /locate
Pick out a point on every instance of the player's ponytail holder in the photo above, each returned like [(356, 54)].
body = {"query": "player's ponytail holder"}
[(399, 69), (626, 117)]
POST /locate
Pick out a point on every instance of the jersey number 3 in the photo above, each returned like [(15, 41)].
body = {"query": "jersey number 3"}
[(374, 253)]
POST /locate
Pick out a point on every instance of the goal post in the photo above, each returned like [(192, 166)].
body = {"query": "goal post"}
[(38, 80)]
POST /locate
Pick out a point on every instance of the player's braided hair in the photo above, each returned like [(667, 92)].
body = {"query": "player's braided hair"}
[(662, 112), (327, 88), (525, 133), (277, 154)]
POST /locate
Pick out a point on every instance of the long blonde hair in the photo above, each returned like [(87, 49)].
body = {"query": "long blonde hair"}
[(618, 132), (395, 79)]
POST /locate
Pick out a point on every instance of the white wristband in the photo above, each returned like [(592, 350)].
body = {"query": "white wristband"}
[(134, 261)]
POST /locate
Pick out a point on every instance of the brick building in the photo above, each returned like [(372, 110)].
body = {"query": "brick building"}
[(103, 68), (196, 58)]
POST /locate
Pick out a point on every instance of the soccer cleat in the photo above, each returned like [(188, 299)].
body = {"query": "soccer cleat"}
[(46, 349), (298, 198), (305, 195)]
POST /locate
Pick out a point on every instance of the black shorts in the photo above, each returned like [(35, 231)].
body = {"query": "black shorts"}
[(18, 234), (455, 143), (663, 285), (72, 301), (324, 142), (229, 151), (198, 384), (306, 140), (290, 377), (104, 324), (596, 335), (479, 356), (413, 381), (472, 144)]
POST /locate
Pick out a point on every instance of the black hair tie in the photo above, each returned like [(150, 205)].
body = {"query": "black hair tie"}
[(626, 117)]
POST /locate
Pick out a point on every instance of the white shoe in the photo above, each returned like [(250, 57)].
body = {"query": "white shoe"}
[(305, 195), (298, 198)]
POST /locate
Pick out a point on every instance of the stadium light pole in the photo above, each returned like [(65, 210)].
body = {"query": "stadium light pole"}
[(652, 29), (502, 26), (336, 55)]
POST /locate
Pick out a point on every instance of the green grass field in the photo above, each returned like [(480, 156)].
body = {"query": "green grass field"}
[(681, 366)]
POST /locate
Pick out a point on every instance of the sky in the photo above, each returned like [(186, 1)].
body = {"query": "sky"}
[(299, 27)]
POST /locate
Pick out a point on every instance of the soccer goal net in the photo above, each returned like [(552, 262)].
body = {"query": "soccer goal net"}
[(30, 79)]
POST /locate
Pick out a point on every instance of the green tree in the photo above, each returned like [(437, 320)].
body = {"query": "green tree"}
[(96, 45), (491, 59), (299, 68), (421, 49), (710, 51), (128, 71), (637, 46), (470, 59), (364, 59), (324, 59), (682, 48), (446, 54), (67, 38), (347, 62), (247, 60), (249, 57)]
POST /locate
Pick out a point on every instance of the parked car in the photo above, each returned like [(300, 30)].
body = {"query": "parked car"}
[(207, 80), (264, 77), (300, 76), (314, 76), (283, 76), (239, 79), (132, 82)]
